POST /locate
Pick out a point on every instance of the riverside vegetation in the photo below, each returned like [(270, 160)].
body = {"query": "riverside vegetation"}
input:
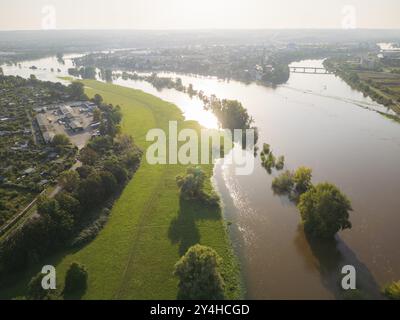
[(76, 214), (150, 226)]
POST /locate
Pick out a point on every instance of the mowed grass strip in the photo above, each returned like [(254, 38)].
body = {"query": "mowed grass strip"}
[(149, 229)]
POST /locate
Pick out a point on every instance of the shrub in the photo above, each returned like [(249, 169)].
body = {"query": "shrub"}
[(90, 190), (69, 204), (302, 179), (283, 184), (35, 289), (211, 200), (60, 140), (192, 184), (89, 233), (76, 278), (324, 211), (280, 164), (85, 171), (266, 149), (117, 170), (199, 276), (88, 156), (392, 291), (110, 184), (69, 180)]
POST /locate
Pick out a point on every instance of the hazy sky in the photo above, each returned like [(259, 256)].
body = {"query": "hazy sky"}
[(197, 14)]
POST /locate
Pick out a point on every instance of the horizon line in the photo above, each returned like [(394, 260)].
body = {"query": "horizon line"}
[(202, 29)]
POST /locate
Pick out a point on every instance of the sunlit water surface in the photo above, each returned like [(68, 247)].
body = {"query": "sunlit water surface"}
[(316, 121)]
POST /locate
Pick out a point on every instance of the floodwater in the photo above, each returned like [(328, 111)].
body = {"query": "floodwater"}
[(320, 122)]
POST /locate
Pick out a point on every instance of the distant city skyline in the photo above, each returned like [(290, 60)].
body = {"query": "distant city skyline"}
[(193, 14)]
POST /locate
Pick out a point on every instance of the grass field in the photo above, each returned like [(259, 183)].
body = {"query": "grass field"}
[(149, 229)]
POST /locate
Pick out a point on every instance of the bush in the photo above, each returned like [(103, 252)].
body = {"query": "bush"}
[(324, 211), (392, 291), (69, 204), (132, 159), (89, 233), (69, 180), (283, 184), (90, 190), (199, 276), (280, 164), (60, 140), (302, 179), (88, 156), (85, 171), (192, 184), (110, 184), (35, 289), (211, 200), (75, 279), (117, 170), (27, 245)]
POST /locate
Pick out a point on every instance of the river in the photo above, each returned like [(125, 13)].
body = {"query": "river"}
[(316, 121)]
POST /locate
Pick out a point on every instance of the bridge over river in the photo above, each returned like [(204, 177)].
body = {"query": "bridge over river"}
[(309, 70)]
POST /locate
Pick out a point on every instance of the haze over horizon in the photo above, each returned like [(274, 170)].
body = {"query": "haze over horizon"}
[(190, 14)]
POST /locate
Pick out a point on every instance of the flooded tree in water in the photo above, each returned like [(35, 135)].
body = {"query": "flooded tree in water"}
[(324, 211)]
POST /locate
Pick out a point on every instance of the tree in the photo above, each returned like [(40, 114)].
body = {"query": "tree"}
[(106, 75), (85, 171), (302, 179), (283, 184), (117, 170), (88, 73), (231, 114), (88, 156), (47, 206), (60, 140), (110, 184), (61, 222), (69, 180), (192, 184), (101, 144), (76, 278), (96, 115), (90, 190), (324, 211), (98, 99), (124, 142), (69, 204), (280, 163), (35, 289), (199, 275), (76, 90)]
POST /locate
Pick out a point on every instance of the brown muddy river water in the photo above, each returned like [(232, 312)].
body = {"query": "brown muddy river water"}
[(320, 122)]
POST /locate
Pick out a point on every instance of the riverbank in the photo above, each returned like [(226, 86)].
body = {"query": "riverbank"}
[(381, 86), (149, 229)]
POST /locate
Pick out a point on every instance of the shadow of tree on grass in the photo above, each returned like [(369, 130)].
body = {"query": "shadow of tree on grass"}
[(77, 295), (183, 229)]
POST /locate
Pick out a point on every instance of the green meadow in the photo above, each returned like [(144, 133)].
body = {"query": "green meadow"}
[(149, 229)]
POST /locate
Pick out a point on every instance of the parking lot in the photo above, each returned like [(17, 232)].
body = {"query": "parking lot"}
[(72, 119)]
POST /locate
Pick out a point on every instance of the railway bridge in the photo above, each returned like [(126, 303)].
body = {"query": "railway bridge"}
[(309, 70)]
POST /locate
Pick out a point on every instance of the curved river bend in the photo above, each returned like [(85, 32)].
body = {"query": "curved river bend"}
[(320, 122)]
